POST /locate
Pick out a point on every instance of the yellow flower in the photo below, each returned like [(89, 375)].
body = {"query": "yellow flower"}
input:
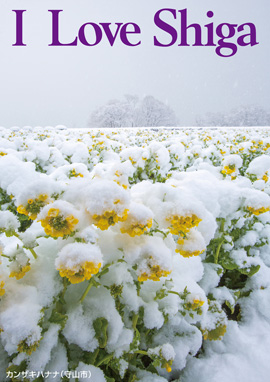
[(117, 174), (180, 241), (168, 367), (43, 197), (109, 218), (155, 273), (125, 186), (57, 225), (188, 253), (75, 174), (228, 170), (137, 228), (2, 290), (53, 212), (33, 206), (24, 347), (258, 211), (21, 273), (2, 154), (85, 272), (183, 224), (166, 364), (197, 303), (132, 160), (265, 177), (21, 209)]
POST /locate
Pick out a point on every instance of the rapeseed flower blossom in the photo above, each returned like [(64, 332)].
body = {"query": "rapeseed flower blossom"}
[(56, 224), (137, 228), (265, 177), (33, 206), (109, 218), (192, 244), (139, 220), (78, 274), (194, 302), (228, 170), (26, 347), (107, 203), (2, 289), (20, 273), (258, 211), (182, 224), (167, 365), (154, 272), (74, 174), (188, 253), (78, 262)]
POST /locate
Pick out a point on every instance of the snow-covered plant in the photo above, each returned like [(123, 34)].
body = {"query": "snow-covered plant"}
[(125, 253)]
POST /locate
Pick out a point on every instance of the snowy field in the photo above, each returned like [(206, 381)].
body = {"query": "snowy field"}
[(135, 255)]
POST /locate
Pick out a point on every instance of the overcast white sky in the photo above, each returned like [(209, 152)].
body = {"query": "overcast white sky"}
[(42, 85)]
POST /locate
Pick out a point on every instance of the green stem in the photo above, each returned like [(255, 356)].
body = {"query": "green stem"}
[(141, 352), (147, 332), (171, 291), (95, 356), (66, 284), (5, 256), (33, 252), (87, 290), (93, 281), (30, 249), (157, 230), (108, 357), (218, 250), (222, 225), (134, 321), (221, 242)]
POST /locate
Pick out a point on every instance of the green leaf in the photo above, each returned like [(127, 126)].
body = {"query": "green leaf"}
[(230, 306), (152, 369), (237, 294), (136, 340), (132, 378), (250, 271), (58, 318), (90, 358), (215, 334), (39, 379), (101, 326), (228, 263), (18, 368), (75, 355), (160, 294)]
